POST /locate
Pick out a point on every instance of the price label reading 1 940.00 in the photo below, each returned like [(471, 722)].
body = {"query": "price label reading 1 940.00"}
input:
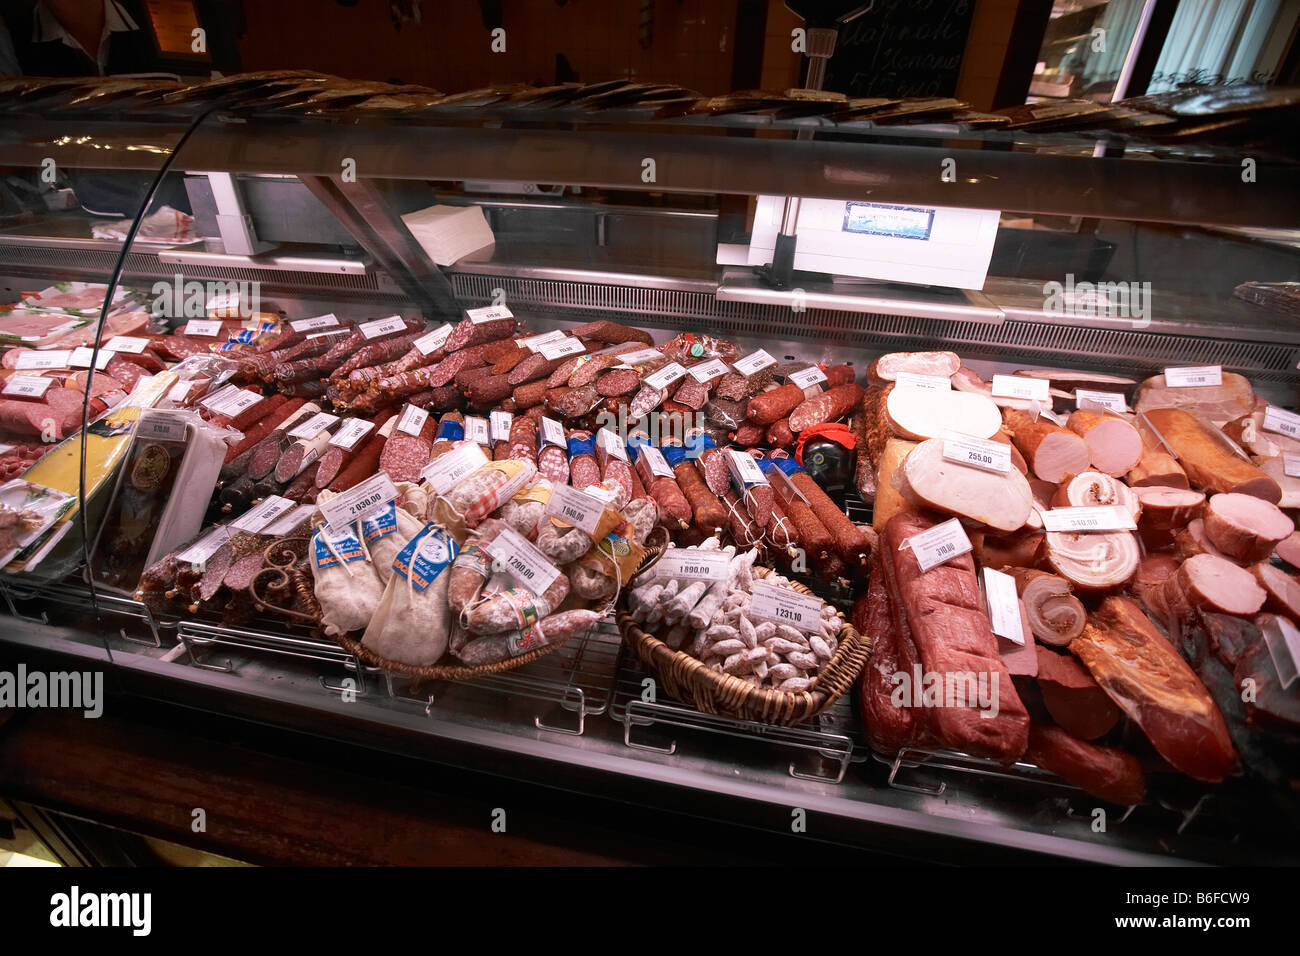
[(448, 469), (941, 543), (753, 362), (326, 321), (521, 560), (977, 452), (372, 330), (1281, 421), (1020, 386), (358, 502), (1090, 518), (697, 564), (786, 606), (576, 508), (1107, 401), (488, 314), (1194, 376)]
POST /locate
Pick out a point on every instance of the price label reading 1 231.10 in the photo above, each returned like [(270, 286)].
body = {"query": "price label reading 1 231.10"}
[(786, 606)]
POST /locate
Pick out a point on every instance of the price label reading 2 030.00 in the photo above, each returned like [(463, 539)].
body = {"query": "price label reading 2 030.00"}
[(358, 502)]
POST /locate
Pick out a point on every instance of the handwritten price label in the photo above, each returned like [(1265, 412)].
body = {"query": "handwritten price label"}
[(1091, 518), (1194, 376), (941, 543), (358, 502), (978, 453), (786, 606)]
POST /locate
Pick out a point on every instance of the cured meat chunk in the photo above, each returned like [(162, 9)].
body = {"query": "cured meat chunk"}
[(1204, 454), (1113, 444), (1092, 561), (1245, 527), (921, 413), (1052, 452), (1056, 616), (939, 364), (1072, 697), (1104, 772), (1282, 590), (826, 407), (1289, 549), (889, 727), (1231, 400), (1092, 488), (1000, 500), (1145, 677)]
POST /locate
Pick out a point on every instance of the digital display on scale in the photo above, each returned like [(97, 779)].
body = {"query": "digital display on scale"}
[(899, 222)]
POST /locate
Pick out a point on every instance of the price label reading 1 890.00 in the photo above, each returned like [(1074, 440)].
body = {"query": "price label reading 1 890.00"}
[(977, 452), (27, 386), (576, 508), (1194, 376), (698, 564), (372, 330), (1281, 421), (1090, 518), (351, 432), (488, 314), (786, 606), (941, 543), (1020, 386), (753, 362), (1107, 401), (521, 560), (448, 469), (358, 502)]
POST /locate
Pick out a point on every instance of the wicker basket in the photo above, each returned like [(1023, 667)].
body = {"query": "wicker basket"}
[(687, 679)]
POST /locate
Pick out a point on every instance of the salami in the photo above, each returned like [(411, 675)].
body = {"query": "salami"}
[(826, 407), (611, 333), (618, 381), (446, 371), (778, 434), (572, 402), (583, 470), (707, 511), (553, 463), (776, 404), (405, 456), (468, 333), (487, 390), (365, 462)]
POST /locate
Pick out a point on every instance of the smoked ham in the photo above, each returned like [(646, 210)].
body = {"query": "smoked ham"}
[(1206, 456), (1023, 549), (889, 500), (1209, 582), (1052, 451), (1216, 403), (1244, 527), (921, 413), (1103, 772), (1114, 445), (1143, 674), (999, 500), (1072, 697), (936, 364), (1289, 550), (1281, 589), (1056, 616)]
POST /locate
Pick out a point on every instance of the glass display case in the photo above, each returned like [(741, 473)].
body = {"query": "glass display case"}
[(1115, 243)]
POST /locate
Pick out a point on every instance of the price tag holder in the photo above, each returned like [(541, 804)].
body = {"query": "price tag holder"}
[(412, 420), (552, 432), (1004, 606), (808, 377), (1107, 401), (290, 521), (358, 502), (488, 314), (372, 330), (311, 325), (744, 470), (1283, 642), (576, 508), (1291, 465), (786, 606), (522, 561), (608, 442), (445, 472), (1194, 376), (941, 543), (476, 430), (27, 386), (208, 327), (652, 463), (939, 383), (697, 564), (313, 426), (430, 342), (499, 425), (1018, 386), (350, 433), (161, 426), (562, 347), (641, 356), (1090, 518), (126, 343), (665, 376), (753, 362), (1281, 421), (235, 403), (535, 342), (708, 371), (206, 546), (57, 358), (220, 395), (784, 487), (80, 358), (263, 513), (977, 453)]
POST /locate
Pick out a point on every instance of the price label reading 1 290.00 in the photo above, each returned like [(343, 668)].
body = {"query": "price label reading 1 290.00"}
[(522, 561), (358, 502)]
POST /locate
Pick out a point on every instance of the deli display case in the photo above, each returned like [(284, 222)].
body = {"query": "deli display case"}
[(806, 303)]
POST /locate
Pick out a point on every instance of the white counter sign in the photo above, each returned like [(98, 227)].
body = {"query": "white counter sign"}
[(1194, 376), (941, 543), (786, 606)]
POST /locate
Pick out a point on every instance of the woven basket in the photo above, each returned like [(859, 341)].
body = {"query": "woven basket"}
[(688, 680)]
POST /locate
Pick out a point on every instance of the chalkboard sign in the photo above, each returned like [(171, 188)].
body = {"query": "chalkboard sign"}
[(902, 48)]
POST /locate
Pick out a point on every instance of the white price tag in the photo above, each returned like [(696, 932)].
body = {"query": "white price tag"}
[(262, 514), (1018, 386), (58, 358), (372, 330), (562, 347), (236, 402), (707, 371), (753, 362), (1281, 421), (206, 546), (350, 433), (641, 356), (321, 335), (27, 386), (476, 430), (430, 342), (1283, 642), (160, 425), (499, 425), (522, 561), (290, 521), (552, 432), (578, 509), (412, 420), (313, 426), (535, 342), (655, 461), (488, 314), (1004, 605), (209, 327), (449, 468), (126, 343), (1291, 465), (358, 502), (1194, 376), (786, 606), (697, 564), (941, 543), (744, 470), (609, 442), (220, 395), (326, 321), (913, 380), (1090, 518), (80, 358), (665, 376), (808, 377), (1107, 401), (977, 452)]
